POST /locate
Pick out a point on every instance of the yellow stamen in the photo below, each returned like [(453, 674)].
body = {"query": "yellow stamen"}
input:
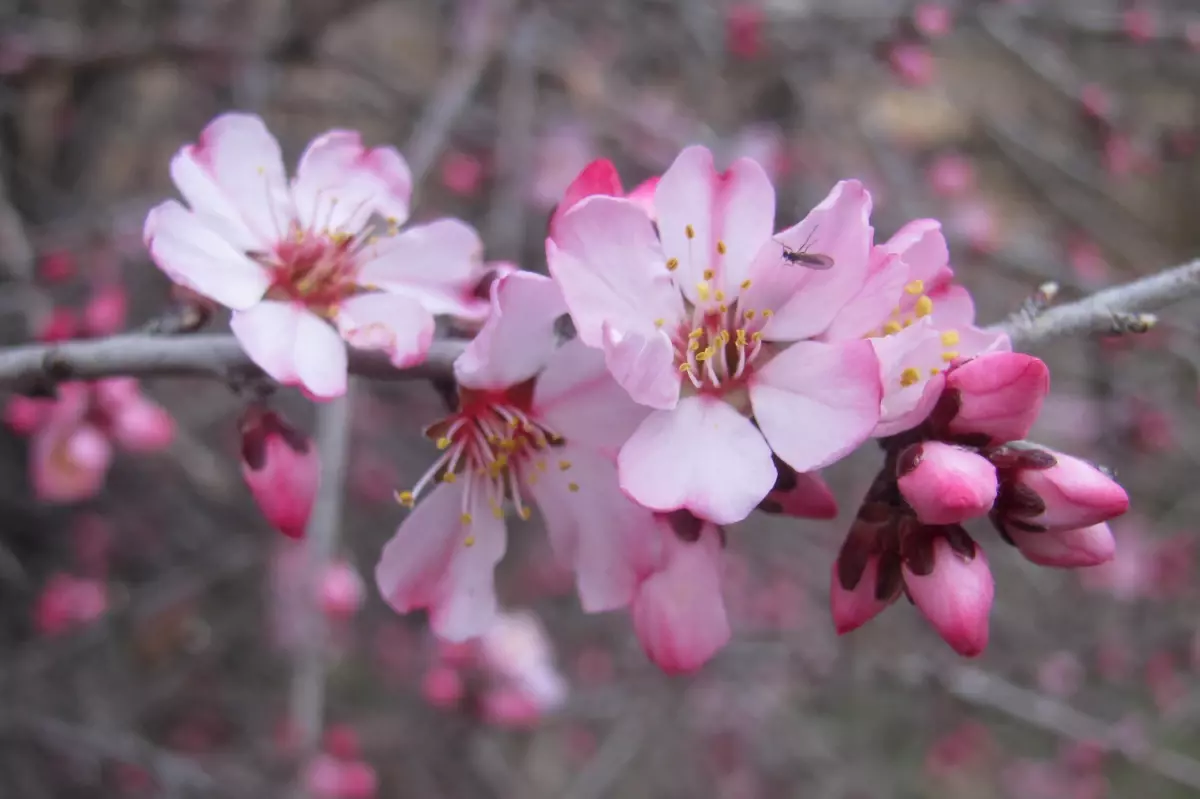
[(405, 498), (564, 465), (703, 290), (909, 376), (449, 477), (746, 283), (672, 264), (465, 518), (690, 231), (924, 306), (497, 512), (757, 336), (767, 314), (443, 442), (720, 296), (720, 247), (934, 371), (469, 541), (697, 333), (949, 355), (685, 367), (949, 338), (741, 337), (915, 287), (693, 345), (572, 486), (750, 314), (659, 322), (891, 327), (709, 274), (525, 512), (708, 352)]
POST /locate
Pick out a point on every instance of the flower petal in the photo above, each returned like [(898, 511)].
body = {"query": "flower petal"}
[(340, 183), (679, 614), (1067, 549), (191, 253), (703, 456), (922, 246), (956, 597), (234, 172), (607, 260), (518, 338), (577, 397), (839, 228), (852, 608), (816, 402), (869, 309), (438, 264), (598, 177), (400, 326), (293, 346), (644, 365)]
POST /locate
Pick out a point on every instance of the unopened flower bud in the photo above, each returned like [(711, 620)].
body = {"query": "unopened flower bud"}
[(945, 484), (956, 597), (1066, 549), (281, 468), (1071, 494), (998, 395)]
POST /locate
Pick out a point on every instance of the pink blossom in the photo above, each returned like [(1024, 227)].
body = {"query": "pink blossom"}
[(1096, 101), (56, 266), (281, 468), (59, 325), (105, 312), (600, 178), (678, 612), (462, 173), (951, 175), (299, 263), (535, 422), (912, 62), (945, 484), (932, 19), (560, 155), (518, 650), (997, 395), (442, 686), (134, 422), (1073, 494), (328, 777), (1070, 549), (956, 597), (67, 602), (1139, 23), (341, 590), (744, 30), (854, 606), (69, 454), (696, 321)]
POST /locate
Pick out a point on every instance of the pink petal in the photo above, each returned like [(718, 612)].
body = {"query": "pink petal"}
[(69, 461), (854, 607), (922, 247), (603, 536), (194, 255), (679, 614), (282, 475), (428, 563), (816, 402), (703, 456), (945, 484), (577, 397), (809, 497), (293, 346), (644, 365), (642, 195), (953, 307), (840, 228), (1000, 395), (869, 309), (339, 183), (956, 597), (400, 326), (1067, 549), (518, 338), (1075, 492), (607, 260), (143, 426), (438, 264), (234, 173), (736, 209), (598, 177)]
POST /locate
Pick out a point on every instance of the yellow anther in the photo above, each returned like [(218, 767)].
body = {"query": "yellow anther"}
[(934, 371), (709, 274), (572, 486), (690, 231), (449, 477), (469, 541), (514, 423), (672, 264), (391, 220), (262, 170), (924, 306), (685, 367), (746, 283), (949, 356), (915, 287), (949, 338), (907, 323), (497, 512), (720, 247), (697, 333), (741, 337), (703, 290), (724, 336), (443, 442), (525, 512), (891, 327), (659, 322), (723, 308), (508, 445), (707, 353), (909, 376), (541, 465), (750, 314), (757, 336), (501, 461), (693, 345), (564, 465), (405, 498), (532, 479), (767, 314), (720, 296), (465, 518)]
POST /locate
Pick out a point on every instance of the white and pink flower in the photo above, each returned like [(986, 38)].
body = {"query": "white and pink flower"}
[(706, 321), (299, 262), (536, 423)]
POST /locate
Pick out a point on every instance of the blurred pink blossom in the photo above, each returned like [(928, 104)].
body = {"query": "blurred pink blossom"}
[(912, 62), (951, 175), (67, 602), (932, 19), (744, 22), (462, 173), (104, 314), (281, 468)]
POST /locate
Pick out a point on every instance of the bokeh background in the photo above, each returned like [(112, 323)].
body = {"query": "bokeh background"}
[(146, 634)]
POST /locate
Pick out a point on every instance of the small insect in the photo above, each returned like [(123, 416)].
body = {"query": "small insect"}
[(802, 257)]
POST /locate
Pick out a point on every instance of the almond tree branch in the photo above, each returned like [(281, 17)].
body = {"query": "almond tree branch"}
[(216, 355), (1114, 310)]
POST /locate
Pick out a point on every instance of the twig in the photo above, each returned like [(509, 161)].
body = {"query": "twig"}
[(1119, 309), (212, 355), (308, 686)]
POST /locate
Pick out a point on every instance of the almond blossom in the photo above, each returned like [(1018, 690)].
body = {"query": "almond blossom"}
[(536, 423), (967, 460), (282, 469), (299, 262), (704, 320)]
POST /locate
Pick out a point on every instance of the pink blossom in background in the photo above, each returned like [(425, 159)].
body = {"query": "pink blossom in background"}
[(706, 323), (1096, 101), (67, 602), (764, 143), (341, 591), (462, 173), (912, 63), (329, 777), (974, 221), (1139, 23), (951, 175), (1087, 261), (932, 19), (299, 262), (281, 468), (56, 266), (104, 314), (559, 157), (536, 424), (600, 178), (60, 324), (744, 23)]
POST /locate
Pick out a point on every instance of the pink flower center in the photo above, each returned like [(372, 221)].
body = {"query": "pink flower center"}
[(317, 269), (493, 443)]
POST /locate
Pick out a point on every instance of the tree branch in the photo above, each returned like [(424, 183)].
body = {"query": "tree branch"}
[(1114, 310), (210, 355)]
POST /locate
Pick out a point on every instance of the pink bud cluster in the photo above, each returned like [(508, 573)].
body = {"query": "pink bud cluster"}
[(967, 460)]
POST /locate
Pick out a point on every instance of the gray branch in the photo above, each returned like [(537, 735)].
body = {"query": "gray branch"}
[(1120, 309), (210, 355)]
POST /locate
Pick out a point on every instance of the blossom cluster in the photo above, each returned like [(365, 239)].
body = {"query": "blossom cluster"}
[(715, 365)]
